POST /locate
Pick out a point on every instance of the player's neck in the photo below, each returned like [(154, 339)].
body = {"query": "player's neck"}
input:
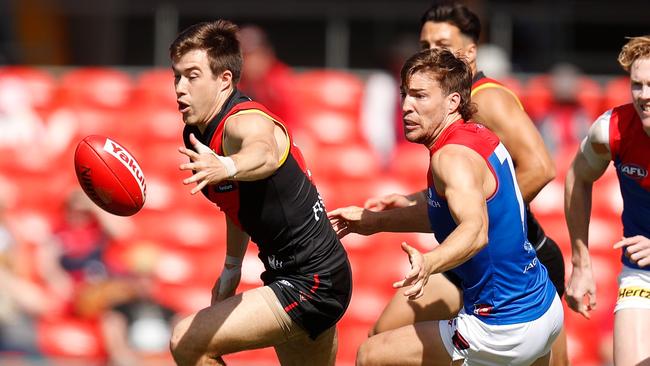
[(220, 102), (451, 118), (474, 68)]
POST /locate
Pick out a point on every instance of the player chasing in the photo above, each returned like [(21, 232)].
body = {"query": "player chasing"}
[(511, 312), (621, 135), (244, 160), (451, 25)]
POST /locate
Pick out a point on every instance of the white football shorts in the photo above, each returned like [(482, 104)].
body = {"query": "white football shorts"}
[(466, 337), (633, 289)]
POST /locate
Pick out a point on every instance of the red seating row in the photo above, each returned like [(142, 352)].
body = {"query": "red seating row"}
[(109, 88)]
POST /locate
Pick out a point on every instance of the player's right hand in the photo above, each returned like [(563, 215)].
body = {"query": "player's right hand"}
[(350, 219), (393, 200), (204, 165), (418, 276), (581, 284), (226, 285)]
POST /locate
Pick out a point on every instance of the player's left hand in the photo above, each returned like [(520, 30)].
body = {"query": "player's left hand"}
[(227, 283), (418, 276), (637, 249), (351, 219), (204, 163)]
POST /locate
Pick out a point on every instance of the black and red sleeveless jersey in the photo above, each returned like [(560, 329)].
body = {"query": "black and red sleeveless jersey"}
[(283, 213), (536, 235)]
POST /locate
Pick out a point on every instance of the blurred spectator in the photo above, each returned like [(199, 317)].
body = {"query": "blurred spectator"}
[(23, 130), (72, 259), (20, 126), (381, 111), (493, 61), (21, 301), (566, 121), (265, 78), (137, 329)]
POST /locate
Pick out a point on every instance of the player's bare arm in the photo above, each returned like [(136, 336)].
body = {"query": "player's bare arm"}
[(500, 112), (466, 182), (590, 163), (236, 244), (255, 144), (353, 219), (464, 179), (395, 200)]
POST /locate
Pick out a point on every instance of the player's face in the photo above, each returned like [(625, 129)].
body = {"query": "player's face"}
[(640, 82), (448, 36), (424, 109), (197, 89)]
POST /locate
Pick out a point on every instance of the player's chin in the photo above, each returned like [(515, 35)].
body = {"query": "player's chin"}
[(412, 136), (190, 119)]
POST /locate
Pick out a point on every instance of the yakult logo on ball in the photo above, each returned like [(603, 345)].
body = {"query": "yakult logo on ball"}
[(129, 162)]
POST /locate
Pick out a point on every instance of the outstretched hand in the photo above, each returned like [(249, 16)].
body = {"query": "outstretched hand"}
[(350, 219), (418, 276), (207, 168), (393, 200)]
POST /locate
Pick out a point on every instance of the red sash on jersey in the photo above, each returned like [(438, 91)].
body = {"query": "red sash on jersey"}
[(226, 193)]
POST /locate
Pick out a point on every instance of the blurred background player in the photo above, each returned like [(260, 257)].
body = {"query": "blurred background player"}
[(511, 313), (565, 121), (21, 300), (256, 175), (265, 78), (451, 25), (620, 135), (71, 260), (136, 328)]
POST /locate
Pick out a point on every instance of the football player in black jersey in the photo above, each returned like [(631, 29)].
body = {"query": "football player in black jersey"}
[(242, 158)]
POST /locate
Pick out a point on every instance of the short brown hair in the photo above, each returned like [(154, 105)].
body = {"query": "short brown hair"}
[(634, 49), (452, 73), (219, 39)]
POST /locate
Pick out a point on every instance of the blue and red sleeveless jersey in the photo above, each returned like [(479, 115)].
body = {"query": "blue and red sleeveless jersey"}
[(504, 283), (629, 147)]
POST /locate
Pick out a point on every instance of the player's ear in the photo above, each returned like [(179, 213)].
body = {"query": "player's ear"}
[(453, 101), (470, 52), (226, 79)]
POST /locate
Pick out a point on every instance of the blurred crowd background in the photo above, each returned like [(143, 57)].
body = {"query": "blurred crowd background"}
[(79, 286)]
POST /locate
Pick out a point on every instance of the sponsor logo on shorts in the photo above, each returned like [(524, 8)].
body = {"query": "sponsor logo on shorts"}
[(459, 341), (285, 283), (274, 262), (482, 309), (633, 292), (634, 171)]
